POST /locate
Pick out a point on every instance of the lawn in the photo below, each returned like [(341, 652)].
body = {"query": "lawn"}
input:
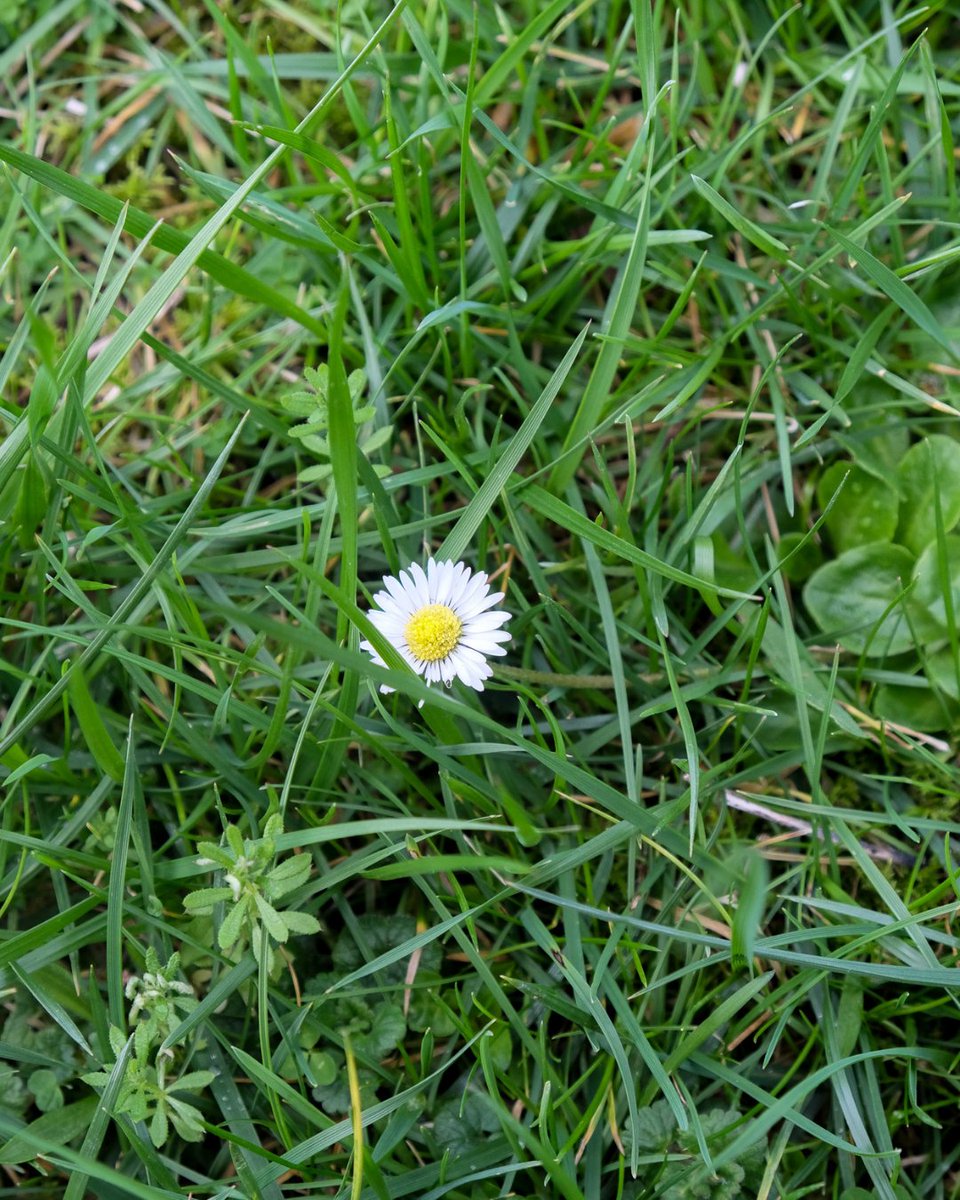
[(649, 314)]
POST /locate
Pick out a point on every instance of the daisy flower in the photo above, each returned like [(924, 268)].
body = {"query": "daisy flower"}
[(442, 620)]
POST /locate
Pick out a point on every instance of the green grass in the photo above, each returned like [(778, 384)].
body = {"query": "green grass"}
[(604, 293)]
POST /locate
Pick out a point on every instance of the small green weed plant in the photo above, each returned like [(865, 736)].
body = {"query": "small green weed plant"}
[(892, 591)]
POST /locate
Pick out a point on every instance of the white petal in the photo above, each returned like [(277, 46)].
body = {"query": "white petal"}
[(433, 579), (461, 578), (488, 637), (411, 598), (473, 587), (389, 604), (484, 649), (394, 635), (421, 584), (475, 679), (481, 604), (403, 591), (468, 654), (383, 619), (446, 582), (484, 621)]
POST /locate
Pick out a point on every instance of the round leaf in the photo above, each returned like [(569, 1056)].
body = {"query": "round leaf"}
[(928, 469), (944, 673), (920, 708), (933, 583), (865, 511), (802, 556), (856, 599)]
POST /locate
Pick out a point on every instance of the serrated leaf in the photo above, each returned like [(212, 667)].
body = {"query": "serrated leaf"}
[(461, 1124), (288, 875), (300, 404), (653, 1130), (217, 855), (386, 1031), (159, 1129)]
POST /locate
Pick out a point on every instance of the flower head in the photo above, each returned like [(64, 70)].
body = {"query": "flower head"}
[(441, 622)]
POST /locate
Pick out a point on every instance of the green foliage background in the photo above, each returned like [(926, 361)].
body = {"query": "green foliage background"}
[(651, 313)]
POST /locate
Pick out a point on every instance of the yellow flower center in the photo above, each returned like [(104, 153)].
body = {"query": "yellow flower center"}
[(433, 632)]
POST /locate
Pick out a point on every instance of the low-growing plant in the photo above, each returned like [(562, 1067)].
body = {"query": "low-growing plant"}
[(252, 881), (148, 1092), (892, 591), (310, 404)]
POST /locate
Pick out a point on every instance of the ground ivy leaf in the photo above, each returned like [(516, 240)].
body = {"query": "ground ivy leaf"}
[(386, 1031)]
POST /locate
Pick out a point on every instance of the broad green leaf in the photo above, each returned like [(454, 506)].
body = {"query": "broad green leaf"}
[(865, 511), (931, 464), (932, 586), (858, 599), (52, 1129), (751, 904), (921, 708), (95, 733), (944, 672), (298, 922), (31, 504)]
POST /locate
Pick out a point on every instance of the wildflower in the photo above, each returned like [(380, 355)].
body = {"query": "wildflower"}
[(440, 621)]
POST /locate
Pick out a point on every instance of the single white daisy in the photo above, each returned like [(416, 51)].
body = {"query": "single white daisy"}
[(440, 621)]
